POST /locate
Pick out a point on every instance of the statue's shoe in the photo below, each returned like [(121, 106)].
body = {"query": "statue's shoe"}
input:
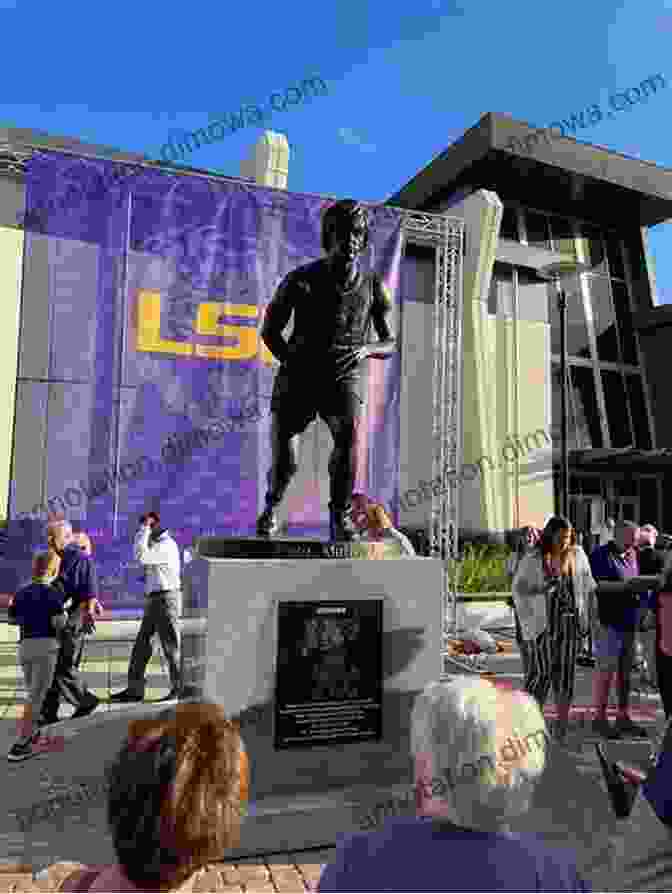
[(341, 526), (267, 524)]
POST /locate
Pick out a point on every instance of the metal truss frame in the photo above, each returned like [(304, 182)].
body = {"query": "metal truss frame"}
[(446, 235)]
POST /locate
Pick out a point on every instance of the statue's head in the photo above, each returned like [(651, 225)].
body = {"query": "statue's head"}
[(345, 228)]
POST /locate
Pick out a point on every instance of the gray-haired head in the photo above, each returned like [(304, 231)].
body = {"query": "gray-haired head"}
[(486, 747)]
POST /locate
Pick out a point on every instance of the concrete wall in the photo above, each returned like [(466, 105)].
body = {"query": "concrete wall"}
[(11, 254)]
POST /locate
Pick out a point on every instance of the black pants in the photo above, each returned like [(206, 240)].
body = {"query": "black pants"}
[(161, 616), (664, 674), (67, 684)]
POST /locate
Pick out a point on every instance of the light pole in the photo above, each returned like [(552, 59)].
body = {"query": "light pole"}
[(559, 272)]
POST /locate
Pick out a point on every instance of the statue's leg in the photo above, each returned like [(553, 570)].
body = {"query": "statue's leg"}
[(292, 410), (284, 465), (342, 425), (284, 461)]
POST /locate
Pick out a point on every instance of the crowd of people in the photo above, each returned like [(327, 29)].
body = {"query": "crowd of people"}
[(179, 784), (561, 598), (57, 611)]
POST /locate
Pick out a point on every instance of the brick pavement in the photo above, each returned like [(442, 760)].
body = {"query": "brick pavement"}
[(286, 873)]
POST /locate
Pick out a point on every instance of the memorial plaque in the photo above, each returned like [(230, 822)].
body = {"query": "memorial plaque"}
[(329, 684)]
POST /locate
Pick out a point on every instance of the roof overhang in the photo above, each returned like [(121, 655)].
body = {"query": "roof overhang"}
[(517, 162)]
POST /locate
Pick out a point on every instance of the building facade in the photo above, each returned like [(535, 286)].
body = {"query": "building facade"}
[(524, 206), (560, 201)]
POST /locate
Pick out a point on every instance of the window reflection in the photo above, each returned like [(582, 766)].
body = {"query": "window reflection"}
[(509, 226), (591, 247), (538, 234), (615, 400), (638, 411), (604, 318), (583, 421), (563, 237), (615, 257), (577, 332), (583, 399), (625, 324)]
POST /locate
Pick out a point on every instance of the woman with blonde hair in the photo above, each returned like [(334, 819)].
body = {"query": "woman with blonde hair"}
[(177, 790), (380, 528), (554, 595)]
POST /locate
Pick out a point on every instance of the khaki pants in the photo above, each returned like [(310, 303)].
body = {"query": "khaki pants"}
[(38, 660)]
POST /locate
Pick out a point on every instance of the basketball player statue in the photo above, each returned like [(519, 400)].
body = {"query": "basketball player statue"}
[(334, 306)]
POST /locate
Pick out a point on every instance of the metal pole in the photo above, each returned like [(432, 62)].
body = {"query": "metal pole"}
[(564, 455)]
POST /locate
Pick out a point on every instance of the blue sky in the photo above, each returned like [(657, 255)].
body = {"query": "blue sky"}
[(404, 80)]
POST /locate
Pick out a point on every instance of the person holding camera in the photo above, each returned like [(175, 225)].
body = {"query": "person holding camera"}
[(159, 553), (553, 593)]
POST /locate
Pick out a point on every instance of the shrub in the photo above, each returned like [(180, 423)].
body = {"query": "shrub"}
[(480, 569)]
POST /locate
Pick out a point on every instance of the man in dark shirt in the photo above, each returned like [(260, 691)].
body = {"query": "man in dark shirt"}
[(334, 306), (612, 565), (78, 576)]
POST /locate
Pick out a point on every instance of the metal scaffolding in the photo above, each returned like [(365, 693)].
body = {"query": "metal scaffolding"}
[(446, 234)]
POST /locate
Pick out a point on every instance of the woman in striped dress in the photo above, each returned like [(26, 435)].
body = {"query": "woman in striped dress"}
[(527, 538), (553, 591)]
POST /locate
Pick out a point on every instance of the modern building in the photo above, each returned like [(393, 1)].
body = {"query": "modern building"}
[(525, 204), (559, 200)]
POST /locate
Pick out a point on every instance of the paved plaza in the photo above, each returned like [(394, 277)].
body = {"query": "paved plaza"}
[(571, 806)]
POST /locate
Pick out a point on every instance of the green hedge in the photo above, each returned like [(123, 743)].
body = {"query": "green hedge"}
[(481, 569)]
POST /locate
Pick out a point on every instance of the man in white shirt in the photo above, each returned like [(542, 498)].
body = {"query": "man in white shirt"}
[(159, 553)]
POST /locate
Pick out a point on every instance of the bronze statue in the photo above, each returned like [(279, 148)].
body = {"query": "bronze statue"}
[(334, 306)]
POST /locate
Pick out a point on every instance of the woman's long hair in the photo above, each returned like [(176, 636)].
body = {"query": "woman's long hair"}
[(377, 517), (545, 545)]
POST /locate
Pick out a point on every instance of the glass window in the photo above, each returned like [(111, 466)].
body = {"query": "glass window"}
[(603, 318), (583, 408), (614, 256), (615, 400), (588, 485), (591, 247), (640, 420), (625, 326), (563, 237), (577, 333), (509, 227), (538, 234), (583, 421), (648, 501)]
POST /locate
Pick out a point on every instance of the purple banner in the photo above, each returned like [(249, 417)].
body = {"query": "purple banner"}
[(141, 366)]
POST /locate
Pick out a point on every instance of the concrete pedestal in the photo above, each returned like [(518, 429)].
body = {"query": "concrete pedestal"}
[(305, 797)]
